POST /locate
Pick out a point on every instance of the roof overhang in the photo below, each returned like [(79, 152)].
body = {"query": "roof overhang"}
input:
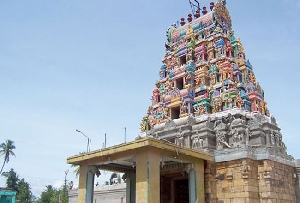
[(122, 157)]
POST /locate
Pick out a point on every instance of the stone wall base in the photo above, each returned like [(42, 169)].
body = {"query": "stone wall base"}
[(249, 181)]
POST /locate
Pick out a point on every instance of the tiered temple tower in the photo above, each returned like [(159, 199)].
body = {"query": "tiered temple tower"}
[(207, 98), (208, 135), (204, 71)]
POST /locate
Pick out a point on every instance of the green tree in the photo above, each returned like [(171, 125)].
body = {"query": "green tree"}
[(50, 195), (76, 171), (6, 149), (24, 194), (35, 199), (77, 167), (12, 179), (22, 188), (64, 194)]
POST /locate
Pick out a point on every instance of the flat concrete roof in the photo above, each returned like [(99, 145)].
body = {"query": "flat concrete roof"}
[(121, 156)]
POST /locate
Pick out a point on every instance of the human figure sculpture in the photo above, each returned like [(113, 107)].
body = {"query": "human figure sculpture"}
[(278, 138), (248, 135), (220, 47), (239, 102), (165, 113), (162, 74), (235, 135), (152, 121), (202, 110), (143, 126), (179, 140), (201, 51), (200, 142), (229, 49), (195, 141), (262, 107), (213, 79), (220, 134), (184, 108), (189, 55), (230, 103), (272, 138), (156, 96)]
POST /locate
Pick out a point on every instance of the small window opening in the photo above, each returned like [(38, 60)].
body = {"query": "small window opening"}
[(183, 60), (175, 112), (179, 83)]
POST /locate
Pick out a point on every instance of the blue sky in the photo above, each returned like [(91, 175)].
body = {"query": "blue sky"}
[(92, 65)]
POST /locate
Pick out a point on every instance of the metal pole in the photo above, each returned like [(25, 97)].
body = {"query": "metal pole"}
[(125, 134), (65, 187), (88, 140), (105, 140)]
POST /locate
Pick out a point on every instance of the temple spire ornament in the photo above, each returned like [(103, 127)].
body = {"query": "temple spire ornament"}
[(195, 6)]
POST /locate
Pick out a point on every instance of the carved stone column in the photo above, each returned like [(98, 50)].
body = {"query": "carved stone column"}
[(268, 139)]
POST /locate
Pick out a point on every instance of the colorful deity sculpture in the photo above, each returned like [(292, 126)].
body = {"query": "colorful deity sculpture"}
[(204, 71)]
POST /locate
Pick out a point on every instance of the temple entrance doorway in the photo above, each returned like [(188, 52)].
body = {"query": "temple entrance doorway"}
[(174, 188)]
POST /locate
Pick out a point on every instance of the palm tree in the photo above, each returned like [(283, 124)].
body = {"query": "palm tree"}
[(77, 169), (6, 149)]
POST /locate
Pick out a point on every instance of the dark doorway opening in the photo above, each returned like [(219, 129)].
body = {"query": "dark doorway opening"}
[(175, 112), (179, 83), (181, 191), (174, 188)]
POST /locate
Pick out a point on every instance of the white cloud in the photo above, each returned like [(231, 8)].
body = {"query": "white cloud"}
[(58, 184)]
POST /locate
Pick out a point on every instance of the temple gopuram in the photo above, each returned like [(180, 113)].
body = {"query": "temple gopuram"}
[(207, 98), (208, 135)]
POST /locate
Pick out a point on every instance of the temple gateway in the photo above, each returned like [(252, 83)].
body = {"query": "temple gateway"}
[(208, 136)]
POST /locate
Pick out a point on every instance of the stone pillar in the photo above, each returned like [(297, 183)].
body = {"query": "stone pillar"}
[(192, 186), (268, 139), (147, 176), (199, 172), (130, 188), (188, 141), (297, 187), (86, 185)]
